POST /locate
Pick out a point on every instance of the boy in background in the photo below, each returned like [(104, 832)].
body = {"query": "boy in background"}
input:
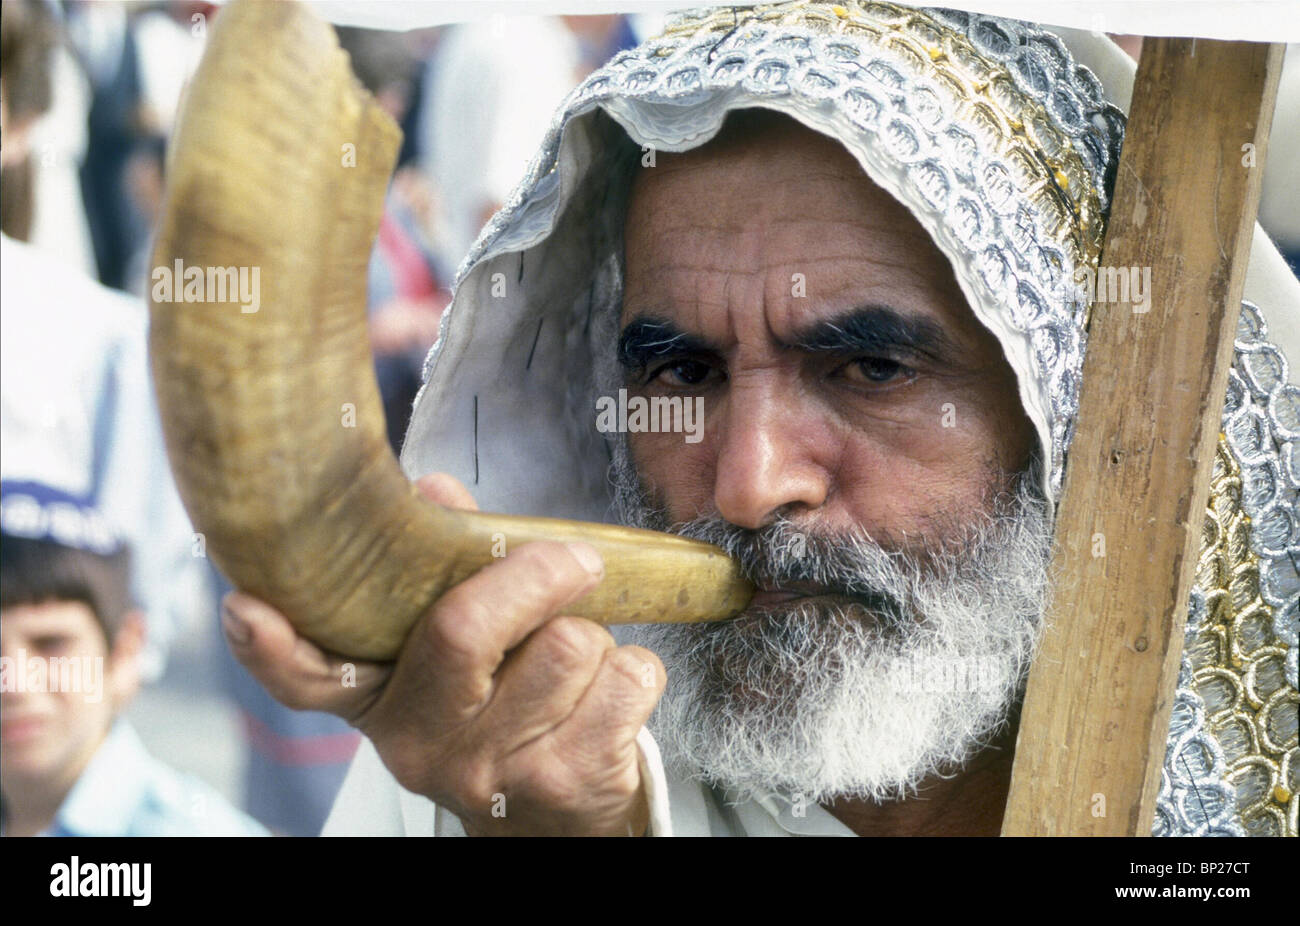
[(70, 648)]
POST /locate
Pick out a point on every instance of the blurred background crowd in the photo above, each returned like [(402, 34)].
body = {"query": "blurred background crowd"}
[(91, 93), (91, 89)]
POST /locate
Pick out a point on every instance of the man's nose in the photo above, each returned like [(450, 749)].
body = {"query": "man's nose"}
[(765, 463)]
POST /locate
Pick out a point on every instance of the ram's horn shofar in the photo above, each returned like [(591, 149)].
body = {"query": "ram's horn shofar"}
[(280, 166)]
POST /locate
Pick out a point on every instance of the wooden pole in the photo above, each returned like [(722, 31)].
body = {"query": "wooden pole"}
[(1096, 715)]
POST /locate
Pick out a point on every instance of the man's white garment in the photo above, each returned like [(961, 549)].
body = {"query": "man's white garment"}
[(372, 803)]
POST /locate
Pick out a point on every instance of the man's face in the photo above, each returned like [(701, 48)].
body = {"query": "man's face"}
[(864, 456), (844, 379)]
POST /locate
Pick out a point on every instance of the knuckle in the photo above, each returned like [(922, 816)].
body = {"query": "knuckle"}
[(632, 665), (646, 657), (652, 664), (463, 782), (572, 642), (549, 566), (453, 628), (472, 783), (553, 784)]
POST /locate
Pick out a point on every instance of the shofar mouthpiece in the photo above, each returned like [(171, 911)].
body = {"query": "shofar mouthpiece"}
[(272, 417)]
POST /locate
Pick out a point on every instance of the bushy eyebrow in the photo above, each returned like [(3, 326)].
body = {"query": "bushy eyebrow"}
[(866, 329), (646, 339), (874, 328)]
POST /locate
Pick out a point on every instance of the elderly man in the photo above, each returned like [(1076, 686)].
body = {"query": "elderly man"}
[(860, 262)]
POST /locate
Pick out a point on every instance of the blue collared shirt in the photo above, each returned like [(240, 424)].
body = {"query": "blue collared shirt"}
[(124, 791)]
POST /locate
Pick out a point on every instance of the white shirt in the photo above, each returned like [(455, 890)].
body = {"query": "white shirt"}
[(372, 803)]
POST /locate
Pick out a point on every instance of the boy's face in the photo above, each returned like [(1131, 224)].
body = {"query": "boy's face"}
[(61, 691)]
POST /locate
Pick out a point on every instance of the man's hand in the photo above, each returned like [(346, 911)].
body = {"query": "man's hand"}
[(516, 720)]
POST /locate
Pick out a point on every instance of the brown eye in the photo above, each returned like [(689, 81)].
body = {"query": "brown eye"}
[(683, 373), (879, 369)]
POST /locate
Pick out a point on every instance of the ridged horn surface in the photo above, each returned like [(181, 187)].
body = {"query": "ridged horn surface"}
[(272, 417)]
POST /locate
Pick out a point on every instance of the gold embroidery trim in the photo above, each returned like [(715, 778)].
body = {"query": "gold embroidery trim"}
[(1046, 167), (1237, 664)]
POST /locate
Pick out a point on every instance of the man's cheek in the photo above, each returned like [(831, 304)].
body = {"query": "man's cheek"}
[(897, 490), (676, 475), (992, 423)]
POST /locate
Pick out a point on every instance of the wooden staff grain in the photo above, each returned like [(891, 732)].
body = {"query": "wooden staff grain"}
[(1096, 715)]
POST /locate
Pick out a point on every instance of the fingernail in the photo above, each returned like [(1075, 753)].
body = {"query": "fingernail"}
[(587, 555), (237, 629)]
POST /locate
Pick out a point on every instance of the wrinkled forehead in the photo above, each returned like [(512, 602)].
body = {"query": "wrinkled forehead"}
[(762, 167), (770, 227), (984, 131)]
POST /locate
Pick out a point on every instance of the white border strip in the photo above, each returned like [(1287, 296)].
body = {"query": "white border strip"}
[(1242, 20)]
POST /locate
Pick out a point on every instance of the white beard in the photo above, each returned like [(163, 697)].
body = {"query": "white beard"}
[(907, 673)]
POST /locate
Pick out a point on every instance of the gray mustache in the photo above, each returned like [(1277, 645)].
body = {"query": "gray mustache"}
[(781, 555)]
